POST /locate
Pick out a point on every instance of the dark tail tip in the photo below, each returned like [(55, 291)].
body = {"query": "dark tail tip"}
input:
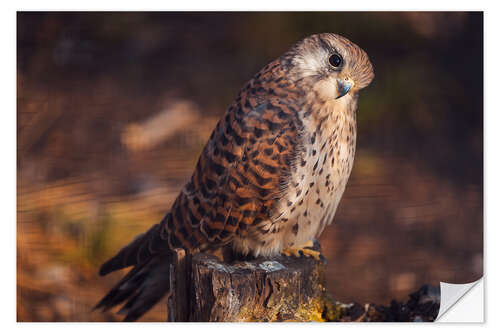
[(106, 268), (140, 289)]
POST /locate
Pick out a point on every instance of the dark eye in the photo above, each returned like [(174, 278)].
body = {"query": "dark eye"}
[(335, 60)]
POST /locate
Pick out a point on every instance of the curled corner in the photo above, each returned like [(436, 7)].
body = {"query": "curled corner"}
[(451, 294)]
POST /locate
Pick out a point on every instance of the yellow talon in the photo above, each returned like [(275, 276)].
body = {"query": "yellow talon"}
[(304, 250), (311, 253)]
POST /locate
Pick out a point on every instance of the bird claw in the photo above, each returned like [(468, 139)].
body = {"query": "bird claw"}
[(306, 250)]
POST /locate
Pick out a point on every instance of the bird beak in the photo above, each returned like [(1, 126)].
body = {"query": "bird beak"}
[(343, 86)]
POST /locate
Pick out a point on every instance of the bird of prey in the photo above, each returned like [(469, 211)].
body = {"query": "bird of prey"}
[(271, 175)]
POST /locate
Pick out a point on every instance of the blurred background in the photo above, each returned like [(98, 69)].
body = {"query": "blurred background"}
[(113, 110)]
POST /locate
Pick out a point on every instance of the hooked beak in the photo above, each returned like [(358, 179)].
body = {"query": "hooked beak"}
[(343, 86)]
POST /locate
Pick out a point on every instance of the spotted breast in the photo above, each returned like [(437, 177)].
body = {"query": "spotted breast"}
[(317, 181)]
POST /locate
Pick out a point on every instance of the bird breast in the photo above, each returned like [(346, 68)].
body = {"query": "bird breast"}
[(316, 184)]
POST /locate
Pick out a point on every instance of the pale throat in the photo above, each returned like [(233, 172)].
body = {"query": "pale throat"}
[(331, 114)]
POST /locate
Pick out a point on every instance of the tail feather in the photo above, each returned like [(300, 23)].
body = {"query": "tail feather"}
[(123, 290), (147, 282), (142, 288)]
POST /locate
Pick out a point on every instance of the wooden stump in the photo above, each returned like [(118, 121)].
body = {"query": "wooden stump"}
[(204, 288)]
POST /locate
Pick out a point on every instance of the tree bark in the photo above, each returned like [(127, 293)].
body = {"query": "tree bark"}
[(205, 288)]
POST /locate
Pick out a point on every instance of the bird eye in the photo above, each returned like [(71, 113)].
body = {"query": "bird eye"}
[(335, 60)]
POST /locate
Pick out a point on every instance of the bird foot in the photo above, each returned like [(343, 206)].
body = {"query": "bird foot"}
[(305, 250)]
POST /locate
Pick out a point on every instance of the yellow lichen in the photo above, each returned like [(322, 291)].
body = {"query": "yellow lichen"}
[(320, 308)]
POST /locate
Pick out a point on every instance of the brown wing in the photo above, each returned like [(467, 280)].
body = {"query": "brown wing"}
[(239, 177), (242, 170)]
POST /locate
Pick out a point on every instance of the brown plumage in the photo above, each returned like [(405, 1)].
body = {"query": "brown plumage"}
[(270, 176)]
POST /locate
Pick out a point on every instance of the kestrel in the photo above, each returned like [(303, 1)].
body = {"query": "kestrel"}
[(271, 175)]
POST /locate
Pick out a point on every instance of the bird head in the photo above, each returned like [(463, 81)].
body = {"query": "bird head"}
[(332, 65)]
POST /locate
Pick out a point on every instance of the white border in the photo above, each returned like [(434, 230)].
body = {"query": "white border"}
[(8, 135), (254, 5)]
